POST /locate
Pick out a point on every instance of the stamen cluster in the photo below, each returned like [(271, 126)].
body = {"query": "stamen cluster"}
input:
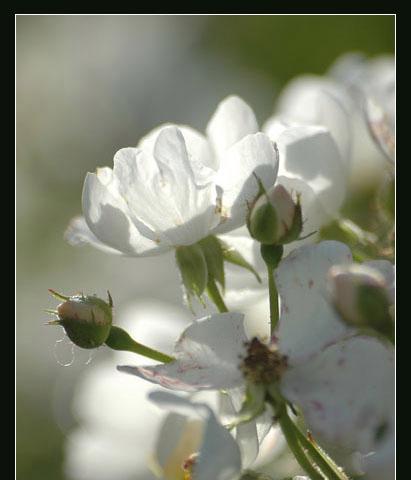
[(263, 363)]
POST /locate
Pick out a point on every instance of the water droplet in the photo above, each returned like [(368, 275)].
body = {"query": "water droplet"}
[(90, 357), (60, 351)]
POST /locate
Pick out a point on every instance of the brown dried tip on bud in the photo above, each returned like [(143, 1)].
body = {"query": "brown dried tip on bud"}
[(86, 319), (360, 295), (188, 466), (275, 218), (263, 363)]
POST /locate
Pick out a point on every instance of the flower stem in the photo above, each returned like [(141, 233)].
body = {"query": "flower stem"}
[(326, 464), (119, 339), (272, 255), (273, 295), (287, 427), (306, 451), (215, 296)]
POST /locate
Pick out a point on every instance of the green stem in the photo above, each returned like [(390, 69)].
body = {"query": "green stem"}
[(273, 294), (215, 296), (119, 339), (325, 463), (287, 427)]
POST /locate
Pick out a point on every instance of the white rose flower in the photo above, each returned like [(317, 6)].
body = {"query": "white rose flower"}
[(356, 97), (342, 383), (177, 187), (371, 83), (192, 430)]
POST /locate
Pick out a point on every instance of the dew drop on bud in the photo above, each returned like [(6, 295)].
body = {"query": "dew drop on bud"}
[(64, 352), (90, 357)]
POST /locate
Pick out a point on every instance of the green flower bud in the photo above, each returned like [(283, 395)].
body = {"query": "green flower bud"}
[(272, 254), (275, 218), (360, 296), (86, 319)]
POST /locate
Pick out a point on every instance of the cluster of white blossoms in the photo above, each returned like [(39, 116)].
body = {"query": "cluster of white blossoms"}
[(292, 340)]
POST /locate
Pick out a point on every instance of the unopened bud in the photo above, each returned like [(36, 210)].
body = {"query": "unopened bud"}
[(86, 319), (275, 218), (361, 297)]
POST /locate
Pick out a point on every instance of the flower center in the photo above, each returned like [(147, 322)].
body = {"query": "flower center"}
[(263, 363), (188, 466)]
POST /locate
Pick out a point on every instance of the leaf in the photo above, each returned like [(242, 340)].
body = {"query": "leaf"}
[(193, 268), (231, 255), (213, 254)]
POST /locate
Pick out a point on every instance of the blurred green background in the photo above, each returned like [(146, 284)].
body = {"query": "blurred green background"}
[(89, 85)]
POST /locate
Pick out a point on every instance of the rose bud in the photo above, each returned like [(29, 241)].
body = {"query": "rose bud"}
[(361, 297), (86, 319), (275, 218)]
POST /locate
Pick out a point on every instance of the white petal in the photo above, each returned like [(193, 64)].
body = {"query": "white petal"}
[(346, 393), (272, 447), (364, 77), (163, 192), (315, 215), (247, 439), (255, 155), (315, 100), (232, 121), (246, 433), (198, 148), (219, 455), (106, 214), (348, 68), (171, 155), (387, 270), (178, 438), (380, 465), (78, 234), (307, 320), (381, 127), (207, 356), (309, 153)]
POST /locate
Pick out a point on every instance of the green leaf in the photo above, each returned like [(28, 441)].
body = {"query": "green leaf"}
[(231, 255), (193, 268), (213, 254)]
